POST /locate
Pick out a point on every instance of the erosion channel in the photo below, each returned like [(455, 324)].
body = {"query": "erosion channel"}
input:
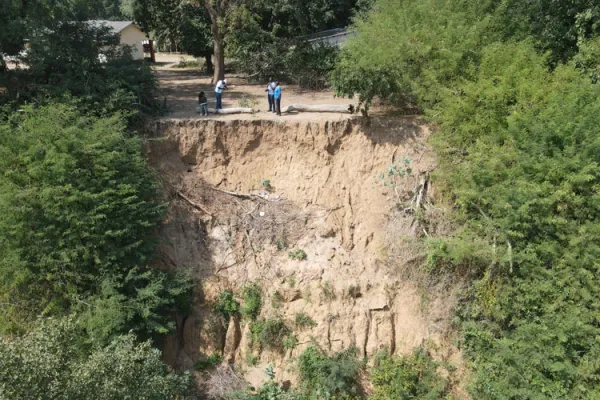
[(248, 197)]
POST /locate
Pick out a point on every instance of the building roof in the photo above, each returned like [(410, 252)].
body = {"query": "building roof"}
[(332, 37), (116, 26)]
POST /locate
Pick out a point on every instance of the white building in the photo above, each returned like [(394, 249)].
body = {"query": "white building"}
[(129, 33)]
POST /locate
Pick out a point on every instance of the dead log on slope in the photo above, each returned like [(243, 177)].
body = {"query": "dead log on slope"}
[(232, 110), (334, 108)]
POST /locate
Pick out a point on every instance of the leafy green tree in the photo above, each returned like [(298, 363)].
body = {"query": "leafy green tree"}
[(556, 26), (518, 151), (53, 362), (79, 209)]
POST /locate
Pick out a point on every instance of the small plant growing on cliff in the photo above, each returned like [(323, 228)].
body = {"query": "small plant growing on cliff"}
[(266, 185), (327, 291), (270, 333), (395, 175), (297, 254), (291, 281), (251, 360), (226, 305), (290, 342), (304, 321), (413, 376), (277, 300), (211, 361), (281, 243), (252, 301)]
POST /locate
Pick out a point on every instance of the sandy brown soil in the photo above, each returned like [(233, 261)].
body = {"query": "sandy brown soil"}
[(181, 88)]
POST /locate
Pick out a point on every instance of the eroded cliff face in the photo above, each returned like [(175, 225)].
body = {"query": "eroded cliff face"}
[(326, 198)]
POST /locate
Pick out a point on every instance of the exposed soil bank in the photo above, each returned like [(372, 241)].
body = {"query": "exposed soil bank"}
[(327, 200)]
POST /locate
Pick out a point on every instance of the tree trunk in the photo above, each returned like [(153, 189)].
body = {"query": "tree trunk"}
[(334, 108), (219, 57), (218, 11), (209, 64)]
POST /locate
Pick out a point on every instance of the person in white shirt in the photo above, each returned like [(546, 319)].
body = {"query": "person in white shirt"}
[(221, 85), (270, 91)]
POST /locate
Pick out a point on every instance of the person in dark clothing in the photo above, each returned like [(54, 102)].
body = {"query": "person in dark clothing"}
[(277, 97), (203, 103)]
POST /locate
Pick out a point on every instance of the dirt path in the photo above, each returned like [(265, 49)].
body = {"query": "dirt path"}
[(181, 87)]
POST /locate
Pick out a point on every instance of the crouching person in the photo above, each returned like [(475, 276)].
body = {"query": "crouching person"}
[(203, 104)]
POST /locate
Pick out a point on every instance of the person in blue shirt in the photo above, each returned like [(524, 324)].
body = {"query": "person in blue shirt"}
[(221, 85), (270, 90), (277, 97)]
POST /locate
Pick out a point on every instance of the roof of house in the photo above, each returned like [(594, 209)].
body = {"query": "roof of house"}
[(117, 26), (325, 34)]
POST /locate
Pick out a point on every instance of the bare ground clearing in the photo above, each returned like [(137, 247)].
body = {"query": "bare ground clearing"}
[(181, 87)]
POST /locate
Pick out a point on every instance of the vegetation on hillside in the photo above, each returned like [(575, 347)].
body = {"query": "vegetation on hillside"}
[(518, 131)]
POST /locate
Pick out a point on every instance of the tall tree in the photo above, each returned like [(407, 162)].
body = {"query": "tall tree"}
[(219, 11)]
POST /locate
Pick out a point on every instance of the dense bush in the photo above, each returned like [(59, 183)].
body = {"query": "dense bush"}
[(272, 334), (407, 377), (52, 362), (226, 305), (78, 213), (518, 151), (252, 301), (329, 377)]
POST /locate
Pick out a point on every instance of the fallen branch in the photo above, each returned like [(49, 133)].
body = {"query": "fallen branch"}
[(319, 108), (240, 195), (193, 203), (232, 110)]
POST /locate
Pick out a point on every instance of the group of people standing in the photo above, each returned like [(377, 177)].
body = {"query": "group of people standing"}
[(273, 96)]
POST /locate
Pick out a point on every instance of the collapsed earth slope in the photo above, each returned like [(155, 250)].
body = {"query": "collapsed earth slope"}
[(248, 195)]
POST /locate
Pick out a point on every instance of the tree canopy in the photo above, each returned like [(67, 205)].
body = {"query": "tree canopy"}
[(517, 145), (53, 362)]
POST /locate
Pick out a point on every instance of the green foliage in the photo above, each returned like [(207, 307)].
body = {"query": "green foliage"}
[(281, 243), (518, 152), (407, 377), (302, 320), (277, 300), (309, 65), (79, 208), (52, 362), (251, 102), (266, 184), (226, 305), (329, 377), (395, 172), (327, 291), (84, 61), (262, 52), (297, 254), (210, 362), (252, 301), (290, 342), (251, 359), (407, 52), (271, 333), (557, 27), (271, 390)]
